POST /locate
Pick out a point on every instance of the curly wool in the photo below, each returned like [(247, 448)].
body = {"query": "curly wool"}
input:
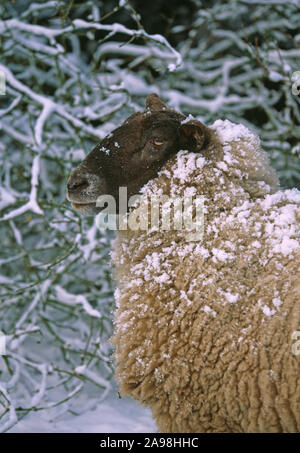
[(203, 330)]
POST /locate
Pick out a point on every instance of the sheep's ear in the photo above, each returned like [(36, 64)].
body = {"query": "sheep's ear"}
[(193, 135), (153, 103)]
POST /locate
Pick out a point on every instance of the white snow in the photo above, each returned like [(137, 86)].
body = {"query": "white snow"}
[(186, 164), (171, 67), (207, 309), (230, 132), (275, 76), (267, 311), (71, 299), (187, 119), (232, 298), (114, 415), (104, 150), (222, 166), (163, 278), (6, 198), (220, 255), (277, 302), (286, 246)]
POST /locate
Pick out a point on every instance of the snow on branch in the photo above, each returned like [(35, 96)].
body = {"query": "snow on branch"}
[(79, 24)]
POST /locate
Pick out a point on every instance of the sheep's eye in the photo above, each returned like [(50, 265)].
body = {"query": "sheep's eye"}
[(158, 142)]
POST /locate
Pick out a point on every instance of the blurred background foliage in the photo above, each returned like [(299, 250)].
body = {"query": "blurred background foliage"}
[(74, 70)]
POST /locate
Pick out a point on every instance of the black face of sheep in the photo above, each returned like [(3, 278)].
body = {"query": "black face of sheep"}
[(133, 154)]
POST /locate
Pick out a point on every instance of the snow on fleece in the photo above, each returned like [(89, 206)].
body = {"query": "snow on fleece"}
[(190, 314), (272, 218)]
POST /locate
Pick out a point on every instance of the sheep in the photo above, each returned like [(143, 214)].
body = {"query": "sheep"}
[(204, 330)]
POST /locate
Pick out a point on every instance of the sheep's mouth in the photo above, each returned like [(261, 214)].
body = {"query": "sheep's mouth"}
[(87, 209), (79, 205), (83, 207)]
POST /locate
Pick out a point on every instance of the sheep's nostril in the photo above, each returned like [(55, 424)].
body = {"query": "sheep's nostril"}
[(77, 184)]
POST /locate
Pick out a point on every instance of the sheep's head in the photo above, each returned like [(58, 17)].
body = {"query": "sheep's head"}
[(133, 154)]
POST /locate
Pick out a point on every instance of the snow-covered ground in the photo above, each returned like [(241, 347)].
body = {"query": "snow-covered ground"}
[(113, 415)]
